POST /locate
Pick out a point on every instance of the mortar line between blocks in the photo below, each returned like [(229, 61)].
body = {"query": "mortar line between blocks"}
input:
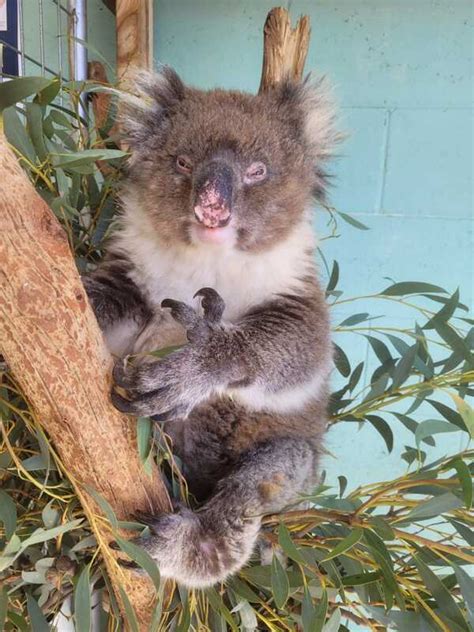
[(383, 175)]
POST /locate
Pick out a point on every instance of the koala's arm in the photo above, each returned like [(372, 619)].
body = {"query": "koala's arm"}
[(280, 346), (283, 343), (117, 301)]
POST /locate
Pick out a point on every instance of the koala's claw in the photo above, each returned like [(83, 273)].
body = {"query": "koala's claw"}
[(119, 375), (184, 314), (212, 304)]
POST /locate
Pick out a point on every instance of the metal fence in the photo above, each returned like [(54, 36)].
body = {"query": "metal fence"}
[(45, 37)]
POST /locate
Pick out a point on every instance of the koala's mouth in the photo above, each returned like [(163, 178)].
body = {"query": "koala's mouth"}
[(220, 235)]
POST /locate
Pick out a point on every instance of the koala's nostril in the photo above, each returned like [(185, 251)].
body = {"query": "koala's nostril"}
[(215, 218)]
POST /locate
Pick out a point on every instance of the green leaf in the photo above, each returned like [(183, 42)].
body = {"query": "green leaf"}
[(352, 221), (16, 135), (383, 429), (401, 621), (334, 278), (143, 438), (42, 535), (445, 312), (333, 622), (86, 157), (242, 589), (129, 611), (280, 584), (288, 546), (432, 427), (454, 340), (465, 480), (448, 413), (308, 611), (142, 558), (465, 532), (355, 377), (12, 92), (382, 528), (104, 505), (320, 613), (434, 507), (379, 348), (48, 94), (411, 287), (82, 602), (404, 367), (355, 319), (346, 544), (342, 485), (34, 123), (341, 361), (3, 606), (37, 619), (441, 594), (7, 514), (466, 412), (466, 585), (248, 618), (218, 606), (360, 579)]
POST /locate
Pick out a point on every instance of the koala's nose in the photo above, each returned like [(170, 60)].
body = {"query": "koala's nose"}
[(213, 195)]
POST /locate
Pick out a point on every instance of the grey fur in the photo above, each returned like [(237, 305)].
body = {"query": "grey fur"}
[(242, 459)]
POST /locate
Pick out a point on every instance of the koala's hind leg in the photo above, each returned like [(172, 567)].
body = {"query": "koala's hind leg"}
[(200, 548)]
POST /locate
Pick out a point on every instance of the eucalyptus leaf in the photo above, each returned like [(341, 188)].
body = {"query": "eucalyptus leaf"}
[(280, 584), (38, 621), (7, 514), (16, 90), (142, 558), (444, 599), (434, 507), (411, 287), (82, 602)]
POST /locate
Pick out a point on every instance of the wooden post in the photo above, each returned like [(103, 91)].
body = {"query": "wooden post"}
[(134, 36), (52, 344), (284, 49)]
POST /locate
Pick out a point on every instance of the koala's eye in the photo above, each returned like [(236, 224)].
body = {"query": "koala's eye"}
[(255, 173), (184, 165)]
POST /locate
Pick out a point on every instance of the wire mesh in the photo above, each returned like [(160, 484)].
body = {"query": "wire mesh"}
[(47, 40)]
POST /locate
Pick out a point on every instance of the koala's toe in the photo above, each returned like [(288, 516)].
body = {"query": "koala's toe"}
[(212, 303), (184, 314)]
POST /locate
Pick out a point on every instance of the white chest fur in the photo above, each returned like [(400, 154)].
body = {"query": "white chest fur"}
[(242, 279)]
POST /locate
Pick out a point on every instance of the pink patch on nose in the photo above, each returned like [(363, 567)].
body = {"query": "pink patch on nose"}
[(212, 209)]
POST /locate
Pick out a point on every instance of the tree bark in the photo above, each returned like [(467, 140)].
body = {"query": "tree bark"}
[(284, 49), (54, 348), (134, 36)]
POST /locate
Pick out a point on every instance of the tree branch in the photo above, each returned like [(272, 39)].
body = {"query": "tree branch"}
[(284, 49), (53, 346)]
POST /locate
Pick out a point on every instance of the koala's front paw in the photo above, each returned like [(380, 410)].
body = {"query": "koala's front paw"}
[(173, 386)]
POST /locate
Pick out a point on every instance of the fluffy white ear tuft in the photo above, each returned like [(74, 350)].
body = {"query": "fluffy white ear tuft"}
[(144, 108), (319, 111)]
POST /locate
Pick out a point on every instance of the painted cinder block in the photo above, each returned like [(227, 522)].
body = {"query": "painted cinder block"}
[(430, 163), (358, 169)]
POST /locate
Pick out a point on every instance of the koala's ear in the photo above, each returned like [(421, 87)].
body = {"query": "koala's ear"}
[(309, 107), (144, 110)]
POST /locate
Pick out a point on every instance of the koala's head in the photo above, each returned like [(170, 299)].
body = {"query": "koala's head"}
[(226, 168)]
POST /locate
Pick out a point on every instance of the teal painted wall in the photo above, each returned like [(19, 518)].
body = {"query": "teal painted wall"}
[(402, 71)]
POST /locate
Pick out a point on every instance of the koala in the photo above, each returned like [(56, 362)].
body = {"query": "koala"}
[(214, 253)]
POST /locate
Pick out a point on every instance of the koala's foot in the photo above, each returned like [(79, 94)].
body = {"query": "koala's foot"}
[(201, 548)]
